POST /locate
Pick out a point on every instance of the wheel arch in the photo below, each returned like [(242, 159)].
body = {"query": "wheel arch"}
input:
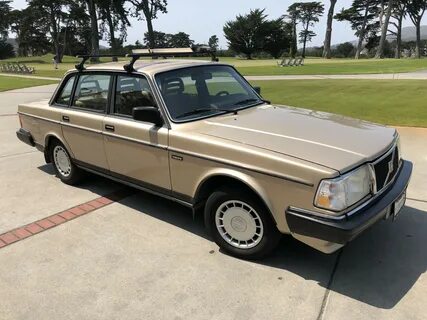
[(49, 138), (217, 178)]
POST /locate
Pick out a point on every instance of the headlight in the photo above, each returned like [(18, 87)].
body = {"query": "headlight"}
[(342, 192)]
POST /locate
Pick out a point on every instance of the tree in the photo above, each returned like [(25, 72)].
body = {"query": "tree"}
[(247, 33), (309, 13), (161, 39), (384, 28), (54, 10), (213, 42), (150, 10), (113, 15), (293, 16), (94, 39), (180, 40), (278, 37), (328, 35), (77, 32), (30, 27), (6, 50), (416, 10), (344, 50), (5, 10), (362, 16), (398, 14)]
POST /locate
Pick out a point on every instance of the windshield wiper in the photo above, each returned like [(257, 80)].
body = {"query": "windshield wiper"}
[(245, 101), (201, 110)]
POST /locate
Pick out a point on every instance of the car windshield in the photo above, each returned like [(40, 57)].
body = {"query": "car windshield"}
[(202, 91)]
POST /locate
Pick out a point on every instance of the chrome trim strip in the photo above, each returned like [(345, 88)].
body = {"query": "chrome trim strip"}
[(136, 186), (81, 128), (38, 117), (254, 169), (295, 210), (112, 135), (393, 146)]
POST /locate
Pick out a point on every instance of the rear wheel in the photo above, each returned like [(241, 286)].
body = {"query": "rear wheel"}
[(68, 172), (240, 224)]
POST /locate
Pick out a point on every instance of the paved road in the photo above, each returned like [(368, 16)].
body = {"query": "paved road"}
[(145, 258)]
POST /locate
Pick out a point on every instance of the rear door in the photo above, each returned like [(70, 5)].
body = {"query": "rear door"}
[(82, 123), (136, 151)]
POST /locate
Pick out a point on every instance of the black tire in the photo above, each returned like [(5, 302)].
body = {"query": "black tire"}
[(74, 174), (270, 237)]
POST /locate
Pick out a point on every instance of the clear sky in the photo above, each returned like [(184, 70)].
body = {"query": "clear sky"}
[(203, 18)]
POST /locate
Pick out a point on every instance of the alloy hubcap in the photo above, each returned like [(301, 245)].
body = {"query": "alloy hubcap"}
[(239, 224), (62, 161)]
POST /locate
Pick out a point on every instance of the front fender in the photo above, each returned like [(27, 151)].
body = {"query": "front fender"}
[(242, 177)]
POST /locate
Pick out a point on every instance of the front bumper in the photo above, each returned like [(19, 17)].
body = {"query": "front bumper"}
[(25, 136), (342, 231)]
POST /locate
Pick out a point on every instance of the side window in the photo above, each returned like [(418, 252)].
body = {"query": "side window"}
[(92, 92), (65, 96), (132, 92)]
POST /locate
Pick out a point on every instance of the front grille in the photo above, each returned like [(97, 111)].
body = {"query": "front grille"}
[(386, 168)]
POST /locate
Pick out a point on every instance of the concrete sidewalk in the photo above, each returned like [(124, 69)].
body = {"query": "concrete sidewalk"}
[(385, 76), (145, 258), (28, 76), (419, 75)]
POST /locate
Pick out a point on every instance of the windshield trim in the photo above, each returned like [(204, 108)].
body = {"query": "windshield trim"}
[(176, 121)]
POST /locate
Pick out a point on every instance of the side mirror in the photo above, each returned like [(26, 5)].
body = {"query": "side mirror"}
[(258, 90), (148, 114)]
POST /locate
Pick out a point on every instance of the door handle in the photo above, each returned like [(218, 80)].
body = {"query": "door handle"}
[(109, 127), (66, 118)]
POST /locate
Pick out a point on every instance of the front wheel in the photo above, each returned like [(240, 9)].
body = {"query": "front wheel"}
[(240, 224), (65, 169)]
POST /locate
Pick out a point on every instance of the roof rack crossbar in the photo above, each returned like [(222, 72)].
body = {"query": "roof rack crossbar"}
[(195, 51), (85, 57)]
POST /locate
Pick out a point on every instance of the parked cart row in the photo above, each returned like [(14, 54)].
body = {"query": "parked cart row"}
[(16, 67), (291, 62)]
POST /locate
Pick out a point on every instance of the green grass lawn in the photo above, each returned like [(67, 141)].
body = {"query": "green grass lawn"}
[(9, 83), (393, 102), (314, 66), (390, 102), (333, 66)]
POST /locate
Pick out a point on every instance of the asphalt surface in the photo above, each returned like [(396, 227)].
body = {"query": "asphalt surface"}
[(145, 258)]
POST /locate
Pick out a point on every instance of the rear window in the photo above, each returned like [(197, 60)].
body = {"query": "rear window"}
[(64, 96)]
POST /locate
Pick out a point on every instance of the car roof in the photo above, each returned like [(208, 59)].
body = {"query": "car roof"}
[(151, 66)]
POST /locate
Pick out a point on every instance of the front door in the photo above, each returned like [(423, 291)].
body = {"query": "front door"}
[(136, 150), (82, 123)]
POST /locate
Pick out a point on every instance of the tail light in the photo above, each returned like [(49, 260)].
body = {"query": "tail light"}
[(20, 120)]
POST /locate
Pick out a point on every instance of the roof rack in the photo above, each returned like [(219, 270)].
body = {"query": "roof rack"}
[(85, 57), (196, 51)]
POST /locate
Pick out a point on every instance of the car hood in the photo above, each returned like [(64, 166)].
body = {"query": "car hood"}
[(331, 140)]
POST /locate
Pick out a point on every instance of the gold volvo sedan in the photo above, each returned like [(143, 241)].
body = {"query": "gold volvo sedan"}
[(198, 133)]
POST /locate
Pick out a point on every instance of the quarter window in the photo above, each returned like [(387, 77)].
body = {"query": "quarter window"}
[(92, 92), (132, 92), (65, 96)]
